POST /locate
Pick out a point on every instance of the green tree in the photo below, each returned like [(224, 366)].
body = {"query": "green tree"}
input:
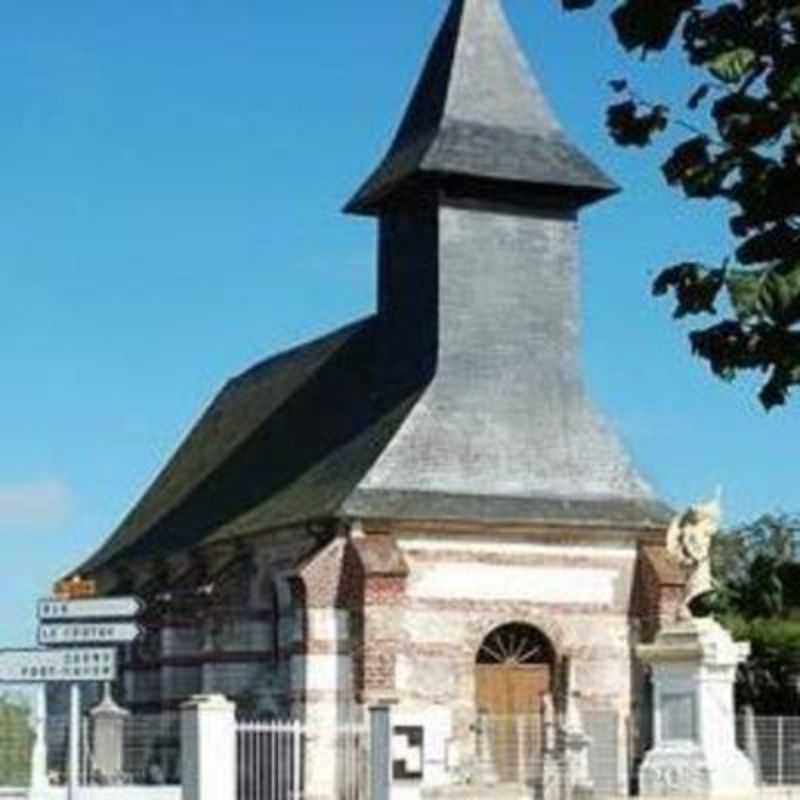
[(758, 600), (16, 742), (740, 144)]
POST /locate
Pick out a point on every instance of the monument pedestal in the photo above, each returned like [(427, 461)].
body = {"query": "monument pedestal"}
[(694, 745)]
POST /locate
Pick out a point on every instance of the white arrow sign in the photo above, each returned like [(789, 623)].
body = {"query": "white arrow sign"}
[(92, 608), (51, 633), (77, 664)]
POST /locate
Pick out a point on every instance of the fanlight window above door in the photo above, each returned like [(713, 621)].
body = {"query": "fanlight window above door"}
[(515, 643)]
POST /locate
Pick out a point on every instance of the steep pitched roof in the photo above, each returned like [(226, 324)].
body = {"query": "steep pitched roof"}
[(284, 442), (291, 440), (478, 112)]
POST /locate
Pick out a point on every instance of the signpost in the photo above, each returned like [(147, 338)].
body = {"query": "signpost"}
[(45, 666), (74, 617), (55, 633), (90, 608)]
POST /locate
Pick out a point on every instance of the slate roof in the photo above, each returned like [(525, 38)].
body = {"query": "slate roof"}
[(289, 441), (478, 112), (284, 442)]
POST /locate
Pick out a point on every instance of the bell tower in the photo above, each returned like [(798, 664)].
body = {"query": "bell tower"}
[(477, 201)]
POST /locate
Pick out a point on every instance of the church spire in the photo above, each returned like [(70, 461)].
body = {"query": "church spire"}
[(478, 115)]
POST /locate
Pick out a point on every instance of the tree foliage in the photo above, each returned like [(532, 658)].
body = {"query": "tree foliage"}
[(758, 600), (16, 742), (741, 147)]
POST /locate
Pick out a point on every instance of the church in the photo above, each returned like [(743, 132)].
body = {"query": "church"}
[(422, 508)]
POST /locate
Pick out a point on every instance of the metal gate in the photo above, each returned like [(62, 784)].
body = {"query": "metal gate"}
[(269, 760)]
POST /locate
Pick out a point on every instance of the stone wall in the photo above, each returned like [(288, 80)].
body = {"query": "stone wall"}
[(459, 590)]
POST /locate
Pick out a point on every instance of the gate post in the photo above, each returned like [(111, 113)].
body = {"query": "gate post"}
[(380, 746), (208, 748)]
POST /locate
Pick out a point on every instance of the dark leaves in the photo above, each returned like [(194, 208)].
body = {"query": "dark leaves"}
[(686, 158), (576, 5), (773, 244), (698, 96), (775, 391), (648, 24), (731, 346), (695, 287), (748, 54), (784, 79), (691, 166), (708, 35), (629, 126), (728, 347), (766, 192), (745, 121)]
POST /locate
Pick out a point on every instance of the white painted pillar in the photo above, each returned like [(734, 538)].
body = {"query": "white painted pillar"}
[(325, 680), (208, 748), (74, 742)]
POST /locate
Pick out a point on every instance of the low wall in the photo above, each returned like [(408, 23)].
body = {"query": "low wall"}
[(98, 793)]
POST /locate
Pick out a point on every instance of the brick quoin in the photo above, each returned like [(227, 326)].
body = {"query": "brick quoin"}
[(385, 574), (380, 590), (658, 589)]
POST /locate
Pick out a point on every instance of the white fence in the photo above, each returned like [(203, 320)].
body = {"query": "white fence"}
[(269, 759), (773, 746), (147, 750), (522, 750), (352, 761), (532, 750)]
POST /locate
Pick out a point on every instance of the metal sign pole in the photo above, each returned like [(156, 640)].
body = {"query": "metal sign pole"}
[(39, 751), (74, 760)]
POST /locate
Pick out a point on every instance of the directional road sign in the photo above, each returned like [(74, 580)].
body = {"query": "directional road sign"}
[(91, 608), (51, 633), (75, 664)]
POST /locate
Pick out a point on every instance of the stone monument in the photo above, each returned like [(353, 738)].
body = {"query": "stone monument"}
[(693, 662)]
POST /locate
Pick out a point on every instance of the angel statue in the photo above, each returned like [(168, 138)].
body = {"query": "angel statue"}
[(689, 545)]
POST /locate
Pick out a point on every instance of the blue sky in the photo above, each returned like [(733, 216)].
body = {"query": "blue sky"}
[(172, 173)]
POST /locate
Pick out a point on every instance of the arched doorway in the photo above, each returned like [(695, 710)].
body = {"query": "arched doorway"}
[(513, 675), (513, 671)]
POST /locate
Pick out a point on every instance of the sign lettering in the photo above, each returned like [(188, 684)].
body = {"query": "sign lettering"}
[(90, 608), (79, 664)]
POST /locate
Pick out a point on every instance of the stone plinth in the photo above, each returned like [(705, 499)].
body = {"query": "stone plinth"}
[(694, 747)]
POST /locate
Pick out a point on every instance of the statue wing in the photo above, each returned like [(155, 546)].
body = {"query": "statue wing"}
[(674, 540)]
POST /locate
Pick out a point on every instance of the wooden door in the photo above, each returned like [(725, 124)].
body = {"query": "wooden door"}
[(509, 697), (504, 690)]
